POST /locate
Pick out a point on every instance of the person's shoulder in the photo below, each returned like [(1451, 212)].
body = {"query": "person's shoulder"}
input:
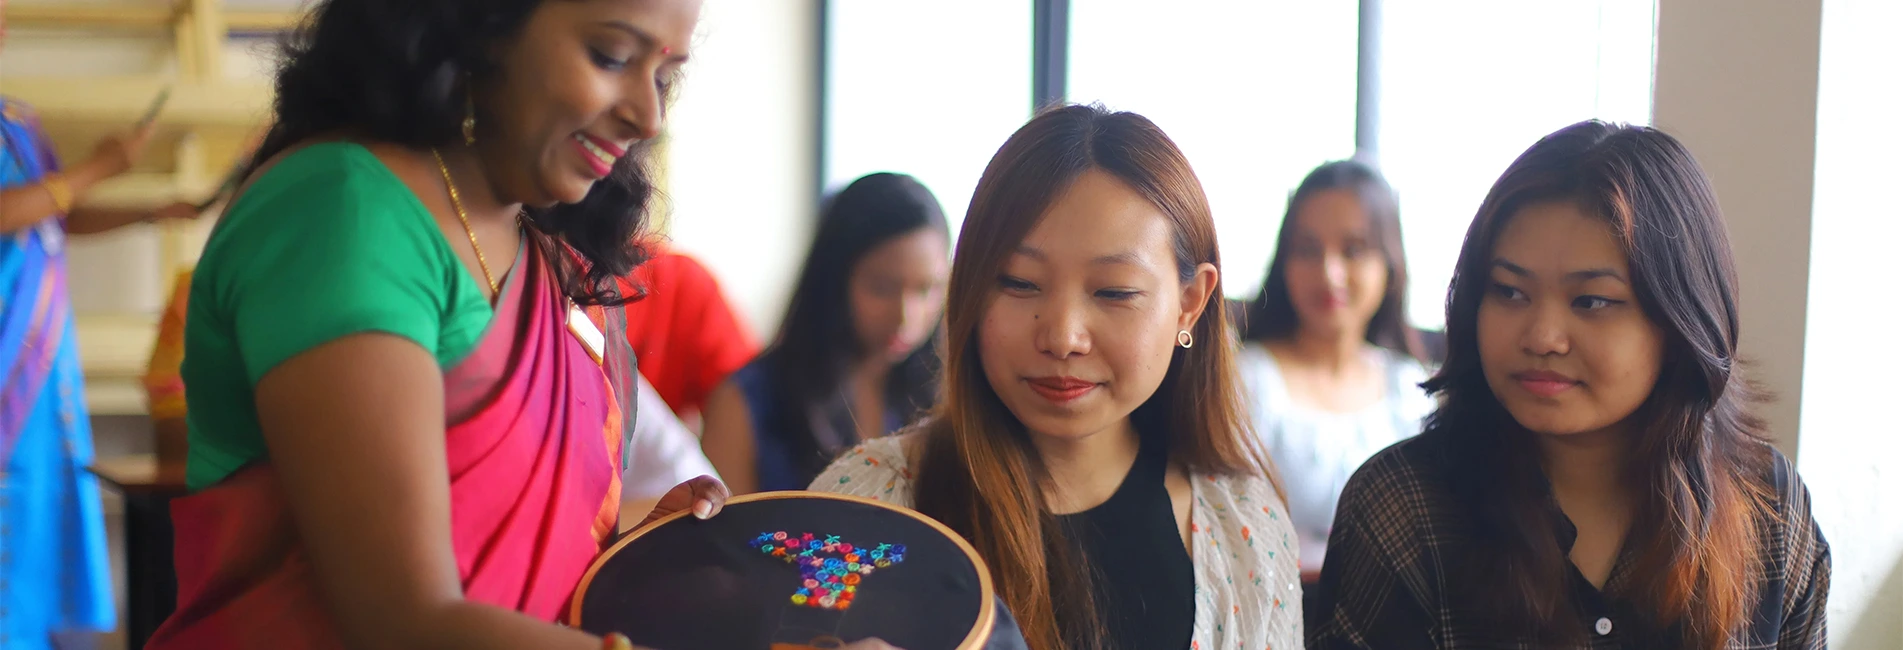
[(1788, 512), (894, 452), (878, 469), (1251, 497), (1407, 374), (1414, 460), (1255, 366), (753, 377), (337, 158), (1398, 507), (1256, 358), (669, 269), (329, 185), (1251, 351), (1399, 482), (683, 266), (1793, 549), (337, 198), (1244, 512), (1405, 366)]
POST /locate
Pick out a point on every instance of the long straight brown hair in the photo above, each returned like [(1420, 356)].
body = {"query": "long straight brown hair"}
[(978, 472), (1700, 458)]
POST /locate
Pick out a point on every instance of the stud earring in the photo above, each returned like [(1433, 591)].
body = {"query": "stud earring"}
[(1184, 339), (469, 119)]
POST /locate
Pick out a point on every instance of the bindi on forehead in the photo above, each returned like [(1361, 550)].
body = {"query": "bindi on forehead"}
[(648, 39), (664, 26)]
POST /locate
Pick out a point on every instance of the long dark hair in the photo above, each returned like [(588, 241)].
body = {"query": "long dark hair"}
[(1699, 457), (1271, 316), (398, 72), (817, 343), (979, 473)]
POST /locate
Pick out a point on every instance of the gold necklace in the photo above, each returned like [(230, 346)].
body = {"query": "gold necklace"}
[(456, 201)]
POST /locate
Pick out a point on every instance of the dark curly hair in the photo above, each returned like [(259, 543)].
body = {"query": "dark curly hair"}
[(397, 72)]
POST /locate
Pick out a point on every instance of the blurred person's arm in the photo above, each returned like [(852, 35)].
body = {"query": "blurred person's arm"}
[(28, 204), (727, 438)]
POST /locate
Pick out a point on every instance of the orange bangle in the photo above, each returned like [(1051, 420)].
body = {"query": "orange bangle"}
[(616, 641), (62, 195)]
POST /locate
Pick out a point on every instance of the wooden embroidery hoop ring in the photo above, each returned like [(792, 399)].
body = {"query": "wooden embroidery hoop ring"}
[(987, 612)]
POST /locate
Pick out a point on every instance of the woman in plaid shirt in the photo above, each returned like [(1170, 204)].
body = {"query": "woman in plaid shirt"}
[(1594, 477)]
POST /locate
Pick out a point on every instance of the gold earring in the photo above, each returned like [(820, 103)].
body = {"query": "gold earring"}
[(1184, 339), (469, 119)]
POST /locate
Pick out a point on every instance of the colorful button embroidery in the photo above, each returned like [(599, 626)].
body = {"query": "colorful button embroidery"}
[(831, 570)]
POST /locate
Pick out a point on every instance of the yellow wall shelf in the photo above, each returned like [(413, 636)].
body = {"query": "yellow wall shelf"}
[(139, 16), (202, 129)]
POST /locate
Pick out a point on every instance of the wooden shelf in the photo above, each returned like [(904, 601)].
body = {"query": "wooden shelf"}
[(142, 190), (115, 346), (261, 21), (113, 351), (115, 397), (121, 100), (63, 15), (140, 471), (138, 16)]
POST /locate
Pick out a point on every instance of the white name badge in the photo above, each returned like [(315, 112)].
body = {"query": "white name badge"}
[(585, 330)]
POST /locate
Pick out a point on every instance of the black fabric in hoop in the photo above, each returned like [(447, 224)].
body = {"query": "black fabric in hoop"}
[(685, 584)]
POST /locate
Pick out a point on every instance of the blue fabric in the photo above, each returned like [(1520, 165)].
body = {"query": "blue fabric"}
[(773, 459), (774, 464), (54, 573)]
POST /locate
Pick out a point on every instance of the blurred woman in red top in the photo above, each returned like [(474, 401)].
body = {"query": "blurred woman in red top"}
[(684, 334)]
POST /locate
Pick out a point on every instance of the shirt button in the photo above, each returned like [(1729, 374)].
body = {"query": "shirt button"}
[(1603, 627)]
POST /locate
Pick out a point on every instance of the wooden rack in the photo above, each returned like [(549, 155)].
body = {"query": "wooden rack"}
[(201, 130)]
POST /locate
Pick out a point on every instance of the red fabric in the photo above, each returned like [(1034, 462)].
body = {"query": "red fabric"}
[(684, 334), (534, 454)]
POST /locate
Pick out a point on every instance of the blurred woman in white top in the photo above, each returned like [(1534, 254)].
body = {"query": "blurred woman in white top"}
[(1330, 364)]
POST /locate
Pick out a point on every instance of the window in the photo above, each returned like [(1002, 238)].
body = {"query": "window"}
[(927, 89), (1255, 93), (1466, 87)]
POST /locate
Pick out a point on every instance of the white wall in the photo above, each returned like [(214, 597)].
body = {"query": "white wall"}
[(740, 173), (1737, 83), (1851, 440), (1789, 105)]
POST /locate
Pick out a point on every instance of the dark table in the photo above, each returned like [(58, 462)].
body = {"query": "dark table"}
[(151, 582)]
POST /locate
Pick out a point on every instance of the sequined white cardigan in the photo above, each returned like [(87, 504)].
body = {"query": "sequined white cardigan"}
[(1248, 586)]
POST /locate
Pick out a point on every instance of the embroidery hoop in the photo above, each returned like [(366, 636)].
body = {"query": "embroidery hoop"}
[(975, 640)]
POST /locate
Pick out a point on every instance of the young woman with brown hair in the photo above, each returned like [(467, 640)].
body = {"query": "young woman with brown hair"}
[(1331, 367), (1091, 441), (1594, 476)]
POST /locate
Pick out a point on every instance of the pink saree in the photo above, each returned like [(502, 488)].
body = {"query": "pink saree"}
[(534, 446)]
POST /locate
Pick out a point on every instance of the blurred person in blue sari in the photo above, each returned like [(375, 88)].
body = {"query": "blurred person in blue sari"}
[(53, 565)]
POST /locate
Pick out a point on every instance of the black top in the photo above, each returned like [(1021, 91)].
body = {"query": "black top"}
[(1397, 548), (1143, 583)]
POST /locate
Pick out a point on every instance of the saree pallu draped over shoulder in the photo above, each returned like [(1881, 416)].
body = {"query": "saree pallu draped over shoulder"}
[(54, 572), (534, 444)]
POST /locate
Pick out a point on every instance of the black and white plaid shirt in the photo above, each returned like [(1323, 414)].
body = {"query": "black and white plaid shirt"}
[(1399, 530)]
